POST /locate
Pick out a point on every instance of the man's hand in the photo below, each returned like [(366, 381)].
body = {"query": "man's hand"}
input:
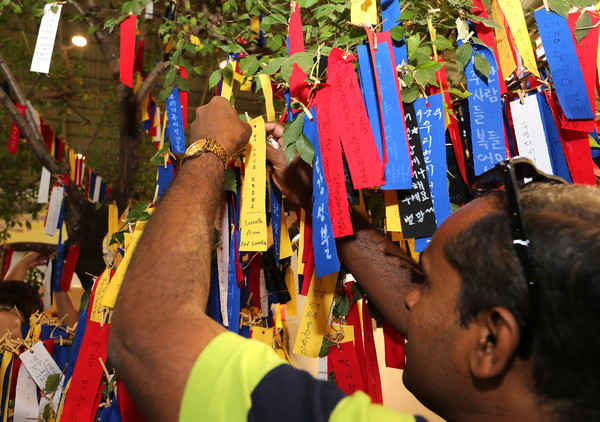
[(295, 180), (218, 120)]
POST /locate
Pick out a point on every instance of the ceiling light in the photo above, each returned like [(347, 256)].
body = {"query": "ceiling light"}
[(79, 41), (223, 64)]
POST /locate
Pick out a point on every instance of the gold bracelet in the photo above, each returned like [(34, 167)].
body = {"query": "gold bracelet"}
[(202, 146)]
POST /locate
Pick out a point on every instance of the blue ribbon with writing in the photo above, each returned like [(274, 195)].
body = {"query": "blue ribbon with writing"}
[(485, 112), (430, 118), (564, 65), (176, 133), (557, 155), (398, 174), (276, 218), (326, 259)]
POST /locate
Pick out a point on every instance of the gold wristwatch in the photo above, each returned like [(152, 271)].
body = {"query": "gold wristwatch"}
[(203, 146)]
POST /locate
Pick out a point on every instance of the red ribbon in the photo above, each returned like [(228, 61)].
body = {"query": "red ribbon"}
[(373, 377), (69, 268), (183, 98), (298, 85), (15, 132), (128, 27), (394, 347), (345, 367)]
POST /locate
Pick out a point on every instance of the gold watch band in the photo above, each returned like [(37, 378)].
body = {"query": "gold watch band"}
[(203, 146)]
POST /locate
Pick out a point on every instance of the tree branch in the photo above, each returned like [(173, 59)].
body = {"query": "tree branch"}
[(50, 95), (149, 82)]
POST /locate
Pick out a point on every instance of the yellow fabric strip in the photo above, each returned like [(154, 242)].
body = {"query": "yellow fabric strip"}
[(227, 85), (253, 216), (290, 282), (364, 12), (265, 83), (392, 211), (110, 298), (103, 283), (300, 269), (516, 21), (507, 61), (313, 325), (285, 245)]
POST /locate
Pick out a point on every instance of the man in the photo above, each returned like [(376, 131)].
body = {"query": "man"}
[(467, 357)]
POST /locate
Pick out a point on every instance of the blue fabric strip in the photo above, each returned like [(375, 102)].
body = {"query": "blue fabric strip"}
[(76, 345), (165, 177), (398, 173), (485, 111), (564, 65), (557, 155), (57, 268), (326, 259), (276, 218), (102, 191), (176, 133), (369, 92)]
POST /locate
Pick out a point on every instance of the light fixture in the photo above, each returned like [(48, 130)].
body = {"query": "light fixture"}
[(223, 64), (79, 41)]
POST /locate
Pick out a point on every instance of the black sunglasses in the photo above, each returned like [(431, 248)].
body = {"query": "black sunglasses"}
[(513, 174)]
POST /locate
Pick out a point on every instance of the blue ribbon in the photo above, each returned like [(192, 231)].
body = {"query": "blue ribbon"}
[(557, 155), (276, 216), (176, 132)]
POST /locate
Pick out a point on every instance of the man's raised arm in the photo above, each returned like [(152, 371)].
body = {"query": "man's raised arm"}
[(159, 326)]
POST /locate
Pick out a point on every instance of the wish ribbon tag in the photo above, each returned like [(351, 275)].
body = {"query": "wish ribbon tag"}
[(42, 55), (559, 162), (345, 367), (416, 204), (15, 132), (529, 132), (176, 129), (253, 216), (127, 44), (326, 260), (54, 210), (564, 65), (352, 122), (276, 217), (485, 111), (40, 366), (513, 11), (313, 325), (398, 172)]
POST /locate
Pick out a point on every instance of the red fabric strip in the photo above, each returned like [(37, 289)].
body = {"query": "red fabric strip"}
[(61, 150), (80, 400), (309, 268), (97, 401), (298, 85), (129, 412), (333, 167), (128, 27), (486, 35), (352, 122), (394, 347), (15, 132), (254, 281), (579, 157), (345, 366), (587, 50), (307, 251), (373, 378), (183, 98), (353, 319), (87, 185), (6, 260), (69, 268), (139, 56)]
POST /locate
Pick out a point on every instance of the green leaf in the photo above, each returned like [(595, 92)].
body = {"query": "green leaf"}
[(306, 4), (325, 347), (583, 3), (482, 65), (273, 66), (331, 378), (232, 48), (582, 26), (292, 130), (214, 78), (52, 382), (286, 70), (304, 60), (46, 413), (92, 29), (460, 94), (425, 77), (341, 307), (410, 95), (229, 181), (290, 153), (164, 94), (443, 43), (559, 7), (357, 294), (397, 33), (463, 55), (412, 43), (305, 149), (182, 84), (170, 76), (406, 15)]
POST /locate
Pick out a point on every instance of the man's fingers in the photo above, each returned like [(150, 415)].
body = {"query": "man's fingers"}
[(274, 128)]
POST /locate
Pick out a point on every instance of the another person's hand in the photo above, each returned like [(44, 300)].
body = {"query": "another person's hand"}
[(30, 261), (295, 180), (218, 120)]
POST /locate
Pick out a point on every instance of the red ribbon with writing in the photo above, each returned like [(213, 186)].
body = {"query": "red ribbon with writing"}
[(298, 86), (333, 167), (345, 367), (183, 98), (353, 319), (15, 132), (128, 27), (254, 281), (373, 377), (394, 347)]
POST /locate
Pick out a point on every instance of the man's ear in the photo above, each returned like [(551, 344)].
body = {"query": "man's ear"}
[(497, 342)]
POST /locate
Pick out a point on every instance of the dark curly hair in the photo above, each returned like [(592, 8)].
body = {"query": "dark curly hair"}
[(22, 296), (563, 224)]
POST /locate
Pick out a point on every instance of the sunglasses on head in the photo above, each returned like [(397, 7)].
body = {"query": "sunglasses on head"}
[(513, 174)]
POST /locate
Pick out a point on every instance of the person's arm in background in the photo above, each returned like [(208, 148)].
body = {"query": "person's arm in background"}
[(65, 308), (383, 270), (159, 326), (30, 261)]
